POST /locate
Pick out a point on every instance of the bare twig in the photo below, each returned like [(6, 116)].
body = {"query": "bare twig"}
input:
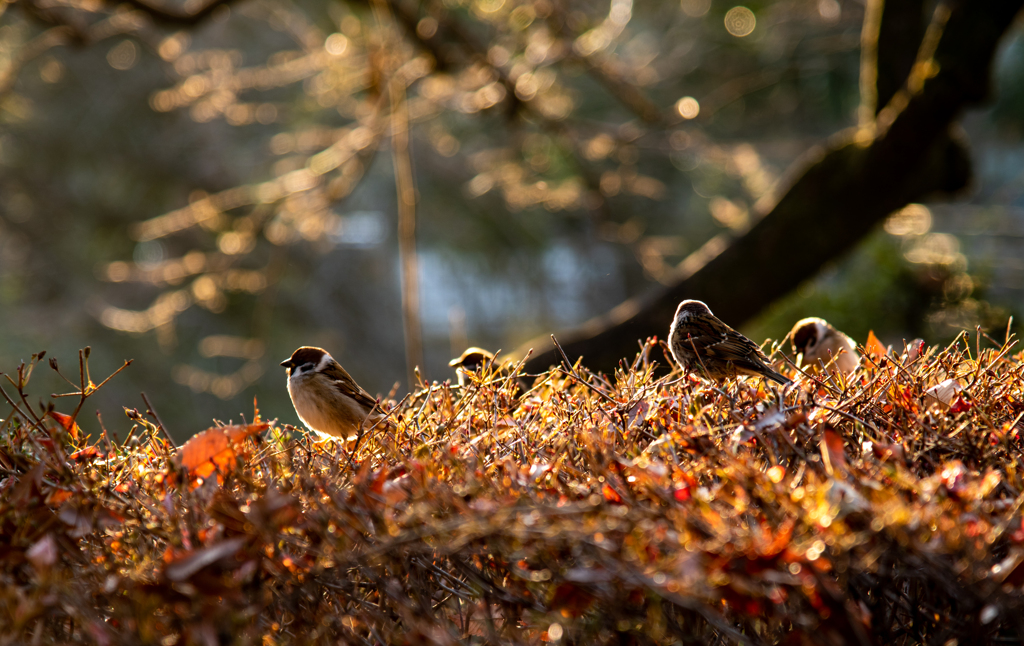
[(160, 424)]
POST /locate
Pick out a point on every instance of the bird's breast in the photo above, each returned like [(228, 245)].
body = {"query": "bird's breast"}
[(323, 408)]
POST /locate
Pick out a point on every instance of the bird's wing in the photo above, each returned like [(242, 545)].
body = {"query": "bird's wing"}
[(347, 385), (730, 345), (720, 340)]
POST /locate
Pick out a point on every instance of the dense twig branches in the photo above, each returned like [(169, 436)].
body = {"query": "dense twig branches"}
[(880, 508)]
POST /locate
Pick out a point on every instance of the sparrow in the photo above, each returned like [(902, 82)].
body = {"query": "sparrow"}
[(470, 361), (820, 343), (474, 358), (326, 397), (703, 344)]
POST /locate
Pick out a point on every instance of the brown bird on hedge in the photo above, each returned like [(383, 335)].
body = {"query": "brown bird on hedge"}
[(703, 344), (326, 397), (470, 361), (819, 343), (474, 358)]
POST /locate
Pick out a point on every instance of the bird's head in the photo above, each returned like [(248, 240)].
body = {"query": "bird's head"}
[(305, 360), (472, 358), (807, 334), (691, 308)]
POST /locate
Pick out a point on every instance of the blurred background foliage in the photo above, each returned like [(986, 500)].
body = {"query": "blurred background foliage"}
[(204, 192)]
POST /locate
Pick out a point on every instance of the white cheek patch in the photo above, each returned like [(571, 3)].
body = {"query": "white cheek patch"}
[(324, 362)]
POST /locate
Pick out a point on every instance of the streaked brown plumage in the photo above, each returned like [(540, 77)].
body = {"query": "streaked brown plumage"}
[(819, 343), (703, 344), (325, 396)]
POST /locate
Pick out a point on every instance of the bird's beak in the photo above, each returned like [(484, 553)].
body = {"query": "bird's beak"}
[(287, 363)]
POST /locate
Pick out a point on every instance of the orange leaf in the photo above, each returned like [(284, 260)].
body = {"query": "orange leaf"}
[(610, 494), (216, 449), (68, 422), (58, 497), (832, 451), (873, 346), (88, 453)]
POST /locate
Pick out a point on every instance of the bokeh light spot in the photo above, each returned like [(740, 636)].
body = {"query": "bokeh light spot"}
[(695, 8), (688, 107), (829, 10), (911, 220), (740, 21), (51, 70), (336, 44), (122, 56), (490, 6), (427, 27)]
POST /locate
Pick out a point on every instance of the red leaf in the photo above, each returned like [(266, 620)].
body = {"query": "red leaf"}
[(68, 422), (960, 405)]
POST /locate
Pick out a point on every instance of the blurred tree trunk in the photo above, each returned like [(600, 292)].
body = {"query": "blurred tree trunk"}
[(900, 152)]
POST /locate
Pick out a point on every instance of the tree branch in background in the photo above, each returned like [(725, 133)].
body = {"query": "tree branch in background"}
[(185, 17), (405, 186), (69, 28), (889, 44), (842, 192)]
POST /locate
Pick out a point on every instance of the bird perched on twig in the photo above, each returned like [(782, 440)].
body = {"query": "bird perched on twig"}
[(820, 343), (326, 397), (703, 344), (474, 358), (470, 361)]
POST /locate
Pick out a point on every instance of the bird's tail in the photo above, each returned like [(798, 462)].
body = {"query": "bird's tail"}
[(776, 377)]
